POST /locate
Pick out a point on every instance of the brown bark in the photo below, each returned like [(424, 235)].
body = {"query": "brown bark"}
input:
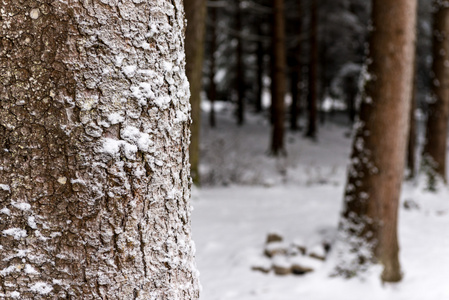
[(369, 220), (312, 96), (277, 137), (295, 75), (196, 21), (213, 48), (94, 183), (240, 78), (434, 154)]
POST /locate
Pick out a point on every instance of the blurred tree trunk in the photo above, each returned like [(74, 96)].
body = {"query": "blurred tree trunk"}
[(411, 147), (277, 137), (312, 96), (94, 177), (295, 74), (213, 49), (368, 228), (260, 68), (240, 78), (194, 47), (434, 154)]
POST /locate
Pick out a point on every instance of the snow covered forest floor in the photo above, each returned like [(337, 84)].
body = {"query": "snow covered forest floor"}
[(247, 195)]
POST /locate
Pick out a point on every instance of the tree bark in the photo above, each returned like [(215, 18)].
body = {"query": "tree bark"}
[(312, 96), (434, 154), (277, 137), (369, 222), (260, 68), (295, 75), (213, 48), (196, 21), (94, 129), (240, 78)]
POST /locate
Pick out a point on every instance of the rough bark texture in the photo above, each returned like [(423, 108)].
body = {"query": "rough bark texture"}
[(94, 128), (312, 96), (369, 223), (434, 154), (277, 137), (196, 22)]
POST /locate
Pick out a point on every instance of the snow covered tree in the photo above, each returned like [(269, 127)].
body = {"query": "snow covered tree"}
[(194, 45), (434, 154), (94, 129), (368, 228)]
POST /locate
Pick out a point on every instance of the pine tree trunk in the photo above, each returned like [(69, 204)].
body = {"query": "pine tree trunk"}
[(295, 75), (94, 129), (312, 96), (277, 137), (434, 154), (213, 49), (260, 69), (240, 79), (369, 221), (194, 44)]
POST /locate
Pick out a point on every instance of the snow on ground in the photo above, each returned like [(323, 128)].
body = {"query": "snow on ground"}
[(249, 195)]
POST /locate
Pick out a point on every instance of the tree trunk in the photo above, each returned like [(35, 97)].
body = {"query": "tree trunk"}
[(277, 137), (411, 146), (434, 154), (194, 45), (369, 221), (312, 96), (260, 68), (94, 129), (295, 75), (213, 48), (240, 79)]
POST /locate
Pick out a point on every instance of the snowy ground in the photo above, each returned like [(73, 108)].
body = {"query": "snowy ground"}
[(247, 195)]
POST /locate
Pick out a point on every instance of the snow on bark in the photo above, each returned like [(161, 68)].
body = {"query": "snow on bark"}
[(95, 122)]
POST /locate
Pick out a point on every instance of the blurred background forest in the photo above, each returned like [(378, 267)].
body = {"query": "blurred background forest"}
[(307, 116)]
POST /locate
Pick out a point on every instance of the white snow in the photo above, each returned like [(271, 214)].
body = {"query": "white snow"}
[(30, 270), (41, 288), (302, 202), (5, 211), (5, 187), (15, 294), (32, 222), (21, 205), (17, 233)]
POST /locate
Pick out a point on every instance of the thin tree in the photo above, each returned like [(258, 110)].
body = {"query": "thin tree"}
[(412, 135), (295, 73), (260, 67), (194, 46), (277, 137), (368, 227), (312, 96), (94, 130), (213, 49), (240, 75), (434, 153)]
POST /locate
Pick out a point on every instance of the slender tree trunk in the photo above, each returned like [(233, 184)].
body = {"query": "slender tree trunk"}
[(94, 178), (434, 154), (295, 76), (260, 69), (411, 146), (277, 138), (369, 222), (312, 97), (240, 79), (196, 20), (213, 48)]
